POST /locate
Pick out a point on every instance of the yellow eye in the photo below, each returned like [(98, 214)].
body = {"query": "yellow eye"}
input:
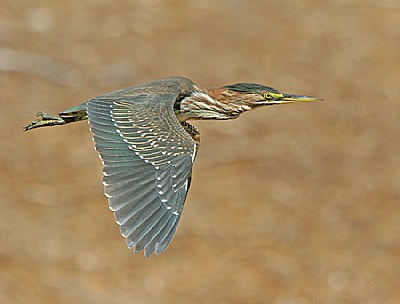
[(268, 96)]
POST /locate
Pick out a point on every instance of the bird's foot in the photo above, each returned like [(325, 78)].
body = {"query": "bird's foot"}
[(44, 120)]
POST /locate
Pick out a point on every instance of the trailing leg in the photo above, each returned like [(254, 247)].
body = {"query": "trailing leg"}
[(44, 119)]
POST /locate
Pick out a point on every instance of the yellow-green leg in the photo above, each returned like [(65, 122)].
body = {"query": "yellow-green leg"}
[(77, 113), (44, 120)]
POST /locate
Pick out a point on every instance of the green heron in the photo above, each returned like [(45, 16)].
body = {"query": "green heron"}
[(147, 147)]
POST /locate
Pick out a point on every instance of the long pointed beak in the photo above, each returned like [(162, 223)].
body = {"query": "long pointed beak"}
[(291, 98)]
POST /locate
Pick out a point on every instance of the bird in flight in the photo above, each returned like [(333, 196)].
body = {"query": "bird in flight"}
[(147, 147)]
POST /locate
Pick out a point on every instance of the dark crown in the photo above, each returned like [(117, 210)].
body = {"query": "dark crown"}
[(250, 88)]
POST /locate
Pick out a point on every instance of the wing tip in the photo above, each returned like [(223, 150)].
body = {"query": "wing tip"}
[(157, 244), (149, 249)]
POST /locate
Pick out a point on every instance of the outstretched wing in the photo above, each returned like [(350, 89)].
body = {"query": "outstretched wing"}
[(148, 158)]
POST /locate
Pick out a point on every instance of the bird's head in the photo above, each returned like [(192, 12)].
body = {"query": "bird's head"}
[(255, 95), (230, 101)]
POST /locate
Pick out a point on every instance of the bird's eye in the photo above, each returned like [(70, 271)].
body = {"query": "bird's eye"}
[(268, 96)]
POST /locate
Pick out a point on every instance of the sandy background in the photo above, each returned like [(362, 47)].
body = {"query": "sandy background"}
[(294, 204)]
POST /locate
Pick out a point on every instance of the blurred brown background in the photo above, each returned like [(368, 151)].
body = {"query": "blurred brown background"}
[(289, 205)]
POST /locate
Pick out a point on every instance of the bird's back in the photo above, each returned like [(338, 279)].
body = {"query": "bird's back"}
[(171, 85), (179, 86)]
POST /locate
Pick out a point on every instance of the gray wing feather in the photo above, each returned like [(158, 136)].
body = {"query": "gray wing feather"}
[(147, 158)]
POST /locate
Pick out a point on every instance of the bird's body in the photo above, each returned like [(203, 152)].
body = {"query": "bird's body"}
[(147, 147)]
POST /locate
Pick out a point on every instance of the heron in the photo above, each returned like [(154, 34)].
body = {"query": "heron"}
[(148, 147)]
